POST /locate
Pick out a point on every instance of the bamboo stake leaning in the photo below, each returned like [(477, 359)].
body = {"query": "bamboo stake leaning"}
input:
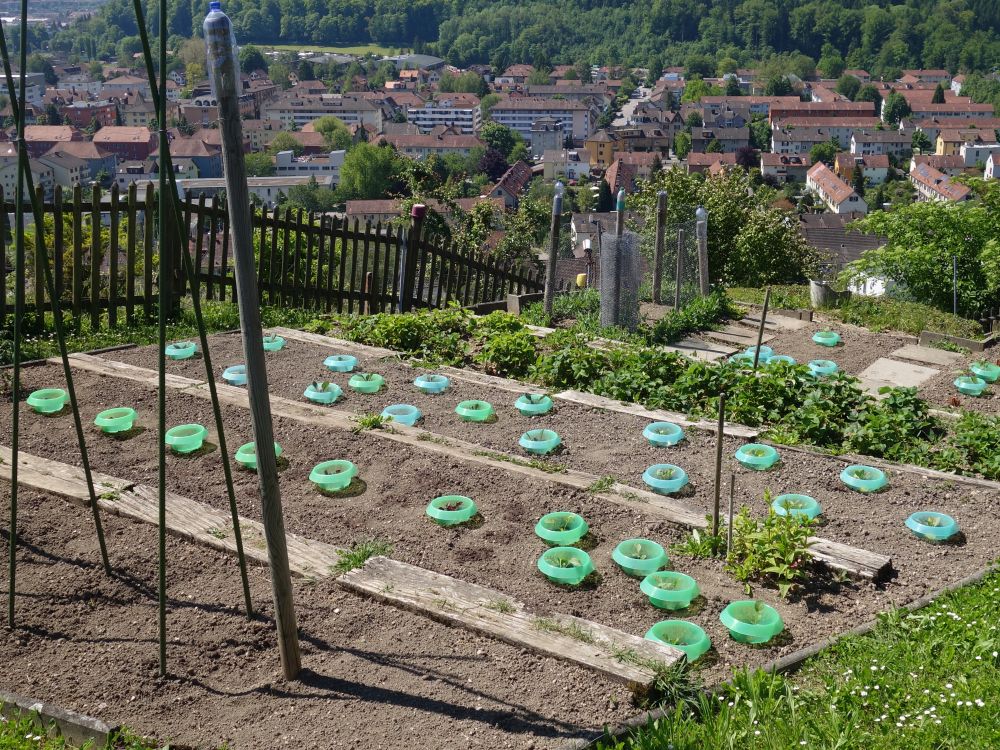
[(760, 328), (162, 284), (26, 182), (189, 271), (719, 436)]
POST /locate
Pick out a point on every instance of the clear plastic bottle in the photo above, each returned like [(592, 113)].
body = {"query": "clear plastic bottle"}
[(221, 50)]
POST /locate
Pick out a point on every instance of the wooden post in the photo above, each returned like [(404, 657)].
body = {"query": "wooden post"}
[(719, 435), (661, 228), (680, 269), (408, 257), (223, 68), (732, 496), (760, 328), (701, 232), (550, 271), (367, 304)]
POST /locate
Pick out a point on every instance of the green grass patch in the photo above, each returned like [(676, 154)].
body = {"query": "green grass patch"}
[(23, 733), (787, 297), (926, 679), (355, 49), (359, 553)]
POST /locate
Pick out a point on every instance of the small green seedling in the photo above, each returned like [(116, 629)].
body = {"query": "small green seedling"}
[(370, 422), (664, 473), (321, 386), (564, 561), (560, 523)]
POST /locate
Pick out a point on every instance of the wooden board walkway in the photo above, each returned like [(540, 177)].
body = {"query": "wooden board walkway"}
[(842, 557), (610, 652), (484, 610), (186, 518), (739, 336)]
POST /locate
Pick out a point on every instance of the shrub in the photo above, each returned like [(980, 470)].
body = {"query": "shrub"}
[(775, 549)]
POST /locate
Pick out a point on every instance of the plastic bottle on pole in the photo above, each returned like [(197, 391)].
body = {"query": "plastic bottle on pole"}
[(220, 43)]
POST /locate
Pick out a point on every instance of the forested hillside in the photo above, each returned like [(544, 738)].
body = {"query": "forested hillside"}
[(878, 35)]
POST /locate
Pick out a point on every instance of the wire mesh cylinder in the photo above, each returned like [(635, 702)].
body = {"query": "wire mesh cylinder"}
[(621, 276)]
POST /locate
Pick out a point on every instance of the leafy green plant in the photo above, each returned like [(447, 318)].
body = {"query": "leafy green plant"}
[(950, 346), (321, 386), (774, 549), (509, 354), (370, 422), (563, 560), (700, 544)]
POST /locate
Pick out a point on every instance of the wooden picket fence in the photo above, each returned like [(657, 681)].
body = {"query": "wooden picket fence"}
[(307, 261)]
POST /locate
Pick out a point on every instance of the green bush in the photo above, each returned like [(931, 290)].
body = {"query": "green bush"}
[(509, 354), (774, 549)]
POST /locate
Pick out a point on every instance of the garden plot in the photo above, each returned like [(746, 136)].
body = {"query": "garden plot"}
[(373, 676), (941, 389)]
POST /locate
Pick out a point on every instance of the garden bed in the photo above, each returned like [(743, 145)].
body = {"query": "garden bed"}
[(500, 553), (941, 390)]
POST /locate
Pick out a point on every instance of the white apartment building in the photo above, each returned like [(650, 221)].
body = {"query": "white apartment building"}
[(325, 167), (461, 112), (297, 111), (977, 153), (578, 118)]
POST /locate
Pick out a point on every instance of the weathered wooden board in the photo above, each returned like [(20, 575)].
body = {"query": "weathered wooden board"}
[(851, 560), (487, 611), (654, 415), (56, 478), (121, 370), (290, 334)]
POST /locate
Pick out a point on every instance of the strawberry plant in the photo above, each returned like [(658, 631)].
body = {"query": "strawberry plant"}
[(509, 354)]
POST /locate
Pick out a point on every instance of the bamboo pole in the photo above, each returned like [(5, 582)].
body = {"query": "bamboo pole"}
[(719, 436), (550, 271), (760, 328), (661, 229), (163, 288)]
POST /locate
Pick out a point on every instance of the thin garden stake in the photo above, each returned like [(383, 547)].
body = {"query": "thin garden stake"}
[(189, 271), (760, 328), (223, 67), (661, 229), (680, 270), (732, 496), (28, 185), (550, 271), (718, 463), (163, 282)]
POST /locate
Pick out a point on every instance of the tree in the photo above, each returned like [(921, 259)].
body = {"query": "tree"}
[(879, 200), (259, 165), (492, 164), (369, 171), (923, 240), (747, 158), (285, 142), (733, 86), (896, 108), (38, 63), (500, 137), (921, 142), (848, 86), (251, 59), (869, 93), (468, 83), (605, 200), (938, 97), (682, 145), (485, 103), (713, 147), (760, 133), (311, 198), (825, 152), (858, 180), (335, 133), (778, 86), (52, 114), (694, 119), (539, 77), (96, 70), (831, 64)]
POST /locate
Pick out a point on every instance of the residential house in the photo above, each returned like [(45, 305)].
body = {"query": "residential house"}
[(992, 169), (260, 133), (956, 84), (601, 147), (326, 169), (642, 137), (874, 167), (41, 138), (952, 166), (67, 170), (839, 243), (703, 163), (41, 175), (515, 74), (441, 142), (785, 167), (841, 128), (933, 185), (861, 75), (821, 109), (547, 134), (584, 92), (950, 109), (126, 143), (933, 127), (138, 111), (927, 76), (122, 86), (520, 113), (34, 87), (386, 210), (729, 140), (100, 162), (737, 111), (81, 113), (459, 111), (511, 185), (147, 172), (837, 195), (563, 164), (207, 157), (975, 154), (950, 141), (797, 140), (297, 111), (621, 176), (873, 142)]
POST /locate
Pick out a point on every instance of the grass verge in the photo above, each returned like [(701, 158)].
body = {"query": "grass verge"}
[(924, 679), (22, 733)]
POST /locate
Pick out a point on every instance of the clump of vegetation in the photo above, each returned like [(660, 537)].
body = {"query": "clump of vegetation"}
[(700, 544), (359, 553), (774, 549), (509, 354), (370, 422)]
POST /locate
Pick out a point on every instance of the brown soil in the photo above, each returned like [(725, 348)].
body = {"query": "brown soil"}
[(941, 389), (858, 349), (398, 481), (373, 677)]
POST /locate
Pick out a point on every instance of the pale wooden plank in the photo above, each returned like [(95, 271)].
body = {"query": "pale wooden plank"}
[(852, 560), (654, 415), (56, 478), (115, 369), (477, 608), (651, 503), (291, 334)]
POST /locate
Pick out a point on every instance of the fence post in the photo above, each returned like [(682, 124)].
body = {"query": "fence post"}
[(680, 269), (550, 271), (701, 232), (661, 228), (408, 257)]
